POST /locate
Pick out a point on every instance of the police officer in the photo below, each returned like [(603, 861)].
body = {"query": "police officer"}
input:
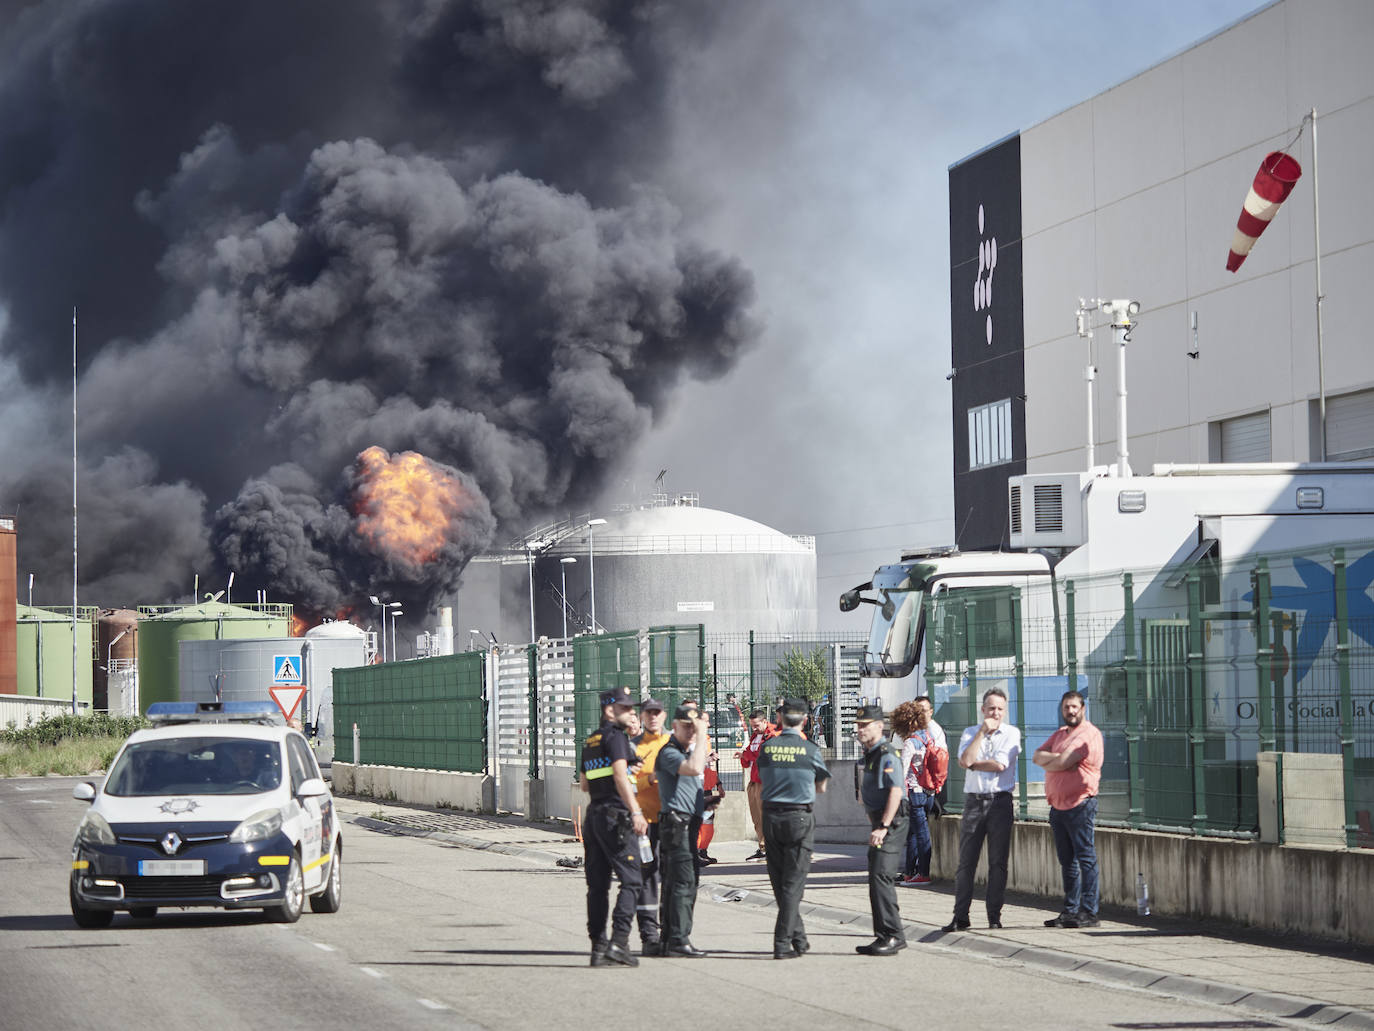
[(613, 820), (882, 793), (792, 771), (679, 767)]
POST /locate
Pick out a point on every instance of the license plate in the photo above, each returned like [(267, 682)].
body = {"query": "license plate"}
[(171, 868)]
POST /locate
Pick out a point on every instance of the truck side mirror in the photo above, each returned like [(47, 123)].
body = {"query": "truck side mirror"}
[(849, 600)]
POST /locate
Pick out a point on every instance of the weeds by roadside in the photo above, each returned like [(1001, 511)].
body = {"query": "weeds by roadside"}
[(65, 745)]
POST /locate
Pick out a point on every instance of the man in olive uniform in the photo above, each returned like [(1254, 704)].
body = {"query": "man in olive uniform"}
[(792, 771), (882, 793), (679, 767), (613, 820)]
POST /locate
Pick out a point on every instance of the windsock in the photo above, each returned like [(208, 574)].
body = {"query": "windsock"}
[(1274, 181)]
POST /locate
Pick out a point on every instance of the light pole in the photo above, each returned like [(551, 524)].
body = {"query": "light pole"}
[(591, 566), (395, 608), (381, 605), (564, 563), (479, 637)]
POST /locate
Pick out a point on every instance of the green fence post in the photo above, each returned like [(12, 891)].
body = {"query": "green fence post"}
[(971, 660), (1135, 706), (1347, 702), (929, 603), (1020, 668), (1197, 683), (532, 652), (1264, 655), (753, 698), (1071, 633)]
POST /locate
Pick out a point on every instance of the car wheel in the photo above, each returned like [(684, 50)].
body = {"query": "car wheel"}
[(143, 912), (88, 917), (328, 900), (290, 909)]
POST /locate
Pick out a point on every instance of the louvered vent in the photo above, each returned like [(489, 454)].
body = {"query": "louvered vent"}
[(1049, 507), (1015, 508)]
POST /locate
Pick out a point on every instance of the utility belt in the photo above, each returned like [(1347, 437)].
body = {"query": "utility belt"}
[(673, 818), (986, 796), (787, 807), (875, 816)]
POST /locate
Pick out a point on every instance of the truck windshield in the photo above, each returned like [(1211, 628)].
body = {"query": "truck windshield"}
[(894, 639)]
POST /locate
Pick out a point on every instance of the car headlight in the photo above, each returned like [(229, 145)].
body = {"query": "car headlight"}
[(94, 830), (258, 826)]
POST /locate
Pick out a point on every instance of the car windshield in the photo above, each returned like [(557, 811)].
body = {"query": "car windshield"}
[(196, 766)]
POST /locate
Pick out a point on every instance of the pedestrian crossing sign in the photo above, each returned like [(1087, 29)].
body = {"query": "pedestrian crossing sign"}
[(286, 669)]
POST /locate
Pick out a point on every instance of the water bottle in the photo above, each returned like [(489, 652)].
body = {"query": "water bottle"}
[(1142, 895), (646, 850)]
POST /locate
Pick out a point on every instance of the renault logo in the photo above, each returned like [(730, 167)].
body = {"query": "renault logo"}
[(171, 841)]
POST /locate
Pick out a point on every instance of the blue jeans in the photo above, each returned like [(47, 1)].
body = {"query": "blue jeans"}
[(917, 857), (1073, 840)]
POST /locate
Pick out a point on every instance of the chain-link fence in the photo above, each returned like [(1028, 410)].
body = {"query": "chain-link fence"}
[(1196, 676)]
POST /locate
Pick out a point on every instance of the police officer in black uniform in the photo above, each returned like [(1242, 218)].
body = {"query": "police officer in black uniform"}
[(612, 823), (884, 798), (792, 771)]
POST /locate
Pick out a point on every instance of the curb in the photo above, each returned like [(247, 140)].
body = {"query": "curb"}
[(1216, 993)]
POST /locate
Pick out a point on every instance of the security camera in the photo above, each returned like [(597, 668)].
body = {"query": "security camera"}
[(1120, 310)]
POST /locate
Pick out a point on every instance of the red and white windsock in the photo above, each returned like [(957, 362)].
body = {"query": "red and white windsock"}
[(1274, 181)]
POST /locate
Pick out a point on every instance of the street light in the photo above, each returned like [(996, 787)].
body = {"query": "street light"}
[(591, 566), (564, 563), (395, 608), (381, 605)]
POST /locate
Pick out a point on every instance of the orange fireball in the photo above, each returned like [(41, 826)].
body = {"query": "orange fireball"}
[(405, 504)]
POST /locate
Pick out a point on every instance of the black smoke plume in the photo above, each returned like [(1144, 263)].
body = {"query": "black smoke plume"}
[(296, 231)]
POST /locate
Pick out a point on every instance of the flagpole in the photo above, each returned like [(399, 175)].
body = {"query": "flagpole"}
[(1317, 237)]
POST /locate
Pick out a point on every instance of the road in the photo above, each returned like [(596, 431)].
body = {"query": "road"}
[(433, 935)]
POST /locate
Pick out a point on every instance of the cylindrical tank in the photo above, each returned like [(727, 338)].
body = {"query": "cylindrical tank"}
[(161, 635), (664, 565), (117, 646), (43, 648)]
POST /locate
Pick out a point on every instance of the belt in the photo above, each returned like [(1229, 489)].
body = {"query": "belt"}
[(787, 807), (986, 794)]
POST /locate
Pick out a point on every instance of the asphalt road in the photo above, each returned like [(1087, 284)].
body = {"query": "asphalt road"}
[(435, 935)]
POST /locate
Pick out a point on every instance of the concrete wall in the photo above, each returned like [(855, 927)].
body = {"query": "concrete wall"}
[(473, 792)]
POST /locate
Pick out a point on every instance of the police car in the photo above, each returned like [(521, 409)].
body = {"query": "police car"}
[(217, 804)]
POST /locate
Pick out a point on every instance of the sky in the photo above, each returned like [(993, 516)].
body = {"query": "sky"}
[(531, 252)]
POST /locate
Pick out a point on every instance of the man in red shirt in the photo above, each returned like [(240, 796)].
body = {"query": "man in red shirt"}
[(760, 730), (1072, 759)]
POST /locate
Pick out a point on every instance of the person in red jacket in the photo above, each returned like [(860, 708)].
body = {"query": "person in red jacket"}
[(925, 758), (761, 728)]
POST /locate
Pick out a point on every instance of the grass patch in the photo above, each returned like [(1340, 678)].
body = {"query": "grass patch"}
[(65, 745)]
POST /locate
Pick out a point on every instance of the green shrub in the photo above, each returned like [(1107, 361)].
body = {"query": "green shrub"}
[(52, 730)]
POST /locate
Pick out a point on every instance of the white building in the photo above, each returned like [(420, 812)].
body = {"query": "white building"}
[(1135, 193)]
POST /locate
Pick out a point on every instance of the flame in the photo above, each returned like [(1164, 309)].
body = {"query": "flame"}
[(406, 504), (298, 626)]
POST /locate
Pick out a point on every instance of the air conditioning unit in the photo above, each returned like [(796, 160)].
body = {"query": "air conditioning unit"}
[(1046, 510)]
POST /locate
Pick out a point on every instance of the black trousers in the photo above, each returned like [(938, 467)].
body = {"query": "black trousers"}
[(677, 862), (789, 837), (647, 909), (986, 817), (609, 840), (884, 867)]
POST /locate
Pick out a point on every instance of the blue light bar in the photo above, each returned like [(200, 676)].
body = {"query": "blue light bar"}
[(214, 712)]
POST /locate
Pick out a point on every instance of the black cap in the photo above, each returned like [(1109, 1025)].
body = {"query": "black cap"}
[(686, 712), (794, 707), (869, 714), (621, 695), (650, 704)]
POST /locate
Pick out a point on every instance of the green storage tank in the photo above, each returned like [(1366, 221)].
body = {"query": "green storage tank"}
[(161, 631), (43, 639)]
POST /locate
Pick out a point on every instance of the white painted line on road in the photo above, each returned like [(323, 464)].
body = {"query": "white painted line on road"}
[(323, 947), (371, 973), (39, 801), (431, 1004)]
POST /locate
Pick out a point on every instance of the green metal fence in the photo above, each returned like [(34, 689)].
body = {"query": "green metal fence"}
[(667, 662), (1192, 674), (426, 714)]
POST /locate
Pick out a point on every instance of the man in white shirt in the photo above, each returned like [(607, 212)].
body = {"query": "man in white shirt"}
[(988, 752)]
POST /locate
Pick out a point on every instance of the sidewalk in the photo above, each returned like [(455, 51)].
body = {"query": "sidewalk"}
[(1313, 982)]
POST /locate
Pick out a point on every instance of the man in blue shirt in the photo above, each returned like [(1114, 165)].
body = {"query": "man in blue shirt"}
[(882, 792), (988, 752), (679, 768), (792, 771)]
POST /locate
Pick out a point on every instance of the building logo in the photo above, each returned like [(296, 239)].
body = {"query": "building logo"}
[(982, 283), (1316, 600)]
